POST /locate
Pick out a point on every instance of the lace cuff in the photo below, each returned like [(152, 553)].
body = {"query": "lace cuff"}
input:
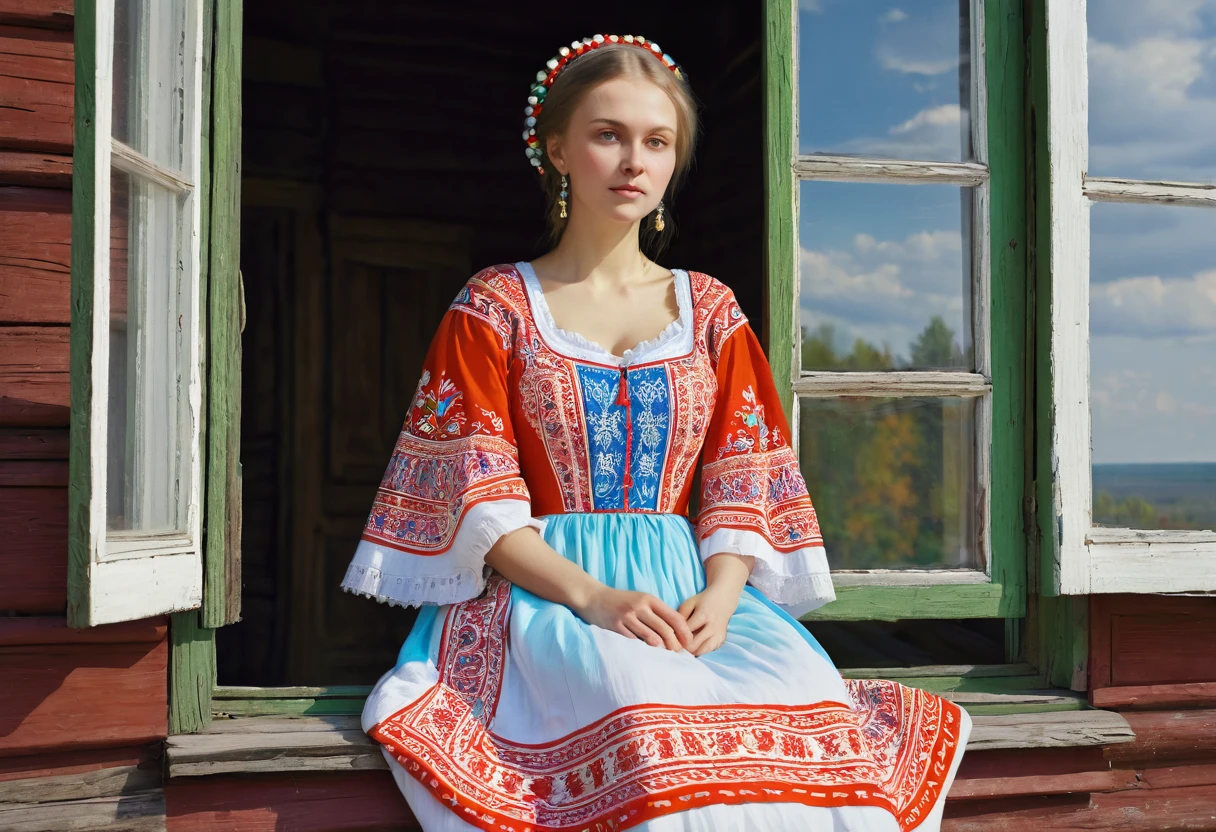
[(797, 581), (404, 579)]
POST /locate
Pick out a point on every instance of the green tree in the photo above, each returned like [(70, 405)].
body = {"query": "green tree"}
[(935, 346)]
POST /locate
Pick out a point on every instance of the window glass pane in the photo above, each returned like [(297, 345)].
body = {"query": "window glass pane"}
[(885, 81), (886, 276), (1152, 89), (1153, 366), (148, 465), (892, 480), (150, 54)]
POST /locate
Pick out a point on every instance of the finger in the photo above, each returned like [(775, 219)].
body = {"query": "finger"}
[(706, 635), (623, 630), (697, 620), (676, 621), (656, 623), (687, 607), (644, 632)]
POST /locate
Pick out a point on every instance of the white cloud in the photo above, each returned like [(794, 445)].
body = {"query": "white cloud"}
[(811, 6), (933, 133), (884, 291), (915, 64), (1153, 307), (894, 16)]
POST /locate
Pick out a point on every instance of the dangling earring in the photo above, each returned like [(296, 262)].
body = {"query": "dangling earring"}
[(562, 199), (658, 220)]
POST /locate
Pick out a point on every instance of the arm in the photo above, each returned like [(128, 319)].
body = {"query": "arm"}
[(526, 560)]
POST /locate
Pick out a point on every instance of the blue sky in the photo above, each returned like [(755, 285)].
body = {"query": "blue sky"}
[(882, 80)]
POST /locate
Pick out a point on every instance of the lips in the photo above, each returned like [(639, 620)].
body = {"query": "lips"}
[(628, 189)]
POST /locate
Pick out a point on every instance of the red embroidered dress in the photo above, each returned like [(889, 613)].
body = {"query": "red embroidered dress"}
[(508, 712)]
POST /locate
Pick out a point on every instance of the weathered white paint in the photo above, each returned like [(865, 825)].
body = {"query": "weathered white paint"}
[(890, 171), (1088, 558), (1068, 157), (134, 575), (822, 384), (1106, 189), (126, 590), (908, 577)]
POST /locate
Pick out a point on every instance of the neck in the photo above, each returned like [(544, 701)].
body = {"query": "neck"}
[(606, 254)]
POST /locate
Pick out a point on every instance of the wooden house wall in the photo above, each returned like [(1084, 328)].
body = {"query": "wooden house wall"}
[(74, 703), (86, 705)]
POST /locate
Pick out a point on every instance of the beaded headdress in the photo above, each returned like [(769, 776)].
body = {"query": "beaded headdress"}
[(554, 66)]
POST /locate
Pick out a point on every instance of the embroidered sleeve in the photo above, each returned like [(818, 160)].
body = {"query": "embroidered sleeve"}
[(754, 500), (453, 485)]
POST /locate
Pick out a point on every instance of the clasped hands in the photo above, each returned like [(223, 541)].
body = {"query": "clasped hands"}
[(698, 626)]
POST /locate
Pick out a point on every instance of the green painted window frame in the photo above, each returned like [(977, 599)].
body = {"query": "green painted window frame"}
[(1004, 596)]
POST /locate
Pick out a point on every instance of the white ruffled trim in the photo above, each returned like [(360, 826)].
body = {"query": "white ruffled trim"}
[(674, 340), (797, 581), (400, 578)]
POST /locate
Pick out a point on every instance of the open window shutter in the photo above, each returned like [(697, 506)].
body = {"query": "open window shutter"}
[(226, 320), (1084, 557), (135, 536)]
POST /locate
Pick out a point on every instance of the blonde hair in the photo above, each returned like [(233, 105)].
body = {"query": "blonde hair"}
[(604, 64)]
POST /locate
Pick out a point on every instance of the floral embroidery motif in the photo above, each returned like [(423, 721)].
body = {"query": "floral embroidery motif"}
[(762, 492), (605, 434), (754, 433), (651, 418), (429, 485), (438, 412), (890, 746)]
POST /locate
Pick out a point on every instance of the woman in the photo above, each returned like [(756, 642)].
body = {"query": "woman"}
[(587, 656)]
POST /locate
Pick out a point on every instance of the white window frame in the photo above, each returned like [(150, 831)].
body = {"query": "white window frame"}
[(123, 576), (1086, 558), (827, 384)]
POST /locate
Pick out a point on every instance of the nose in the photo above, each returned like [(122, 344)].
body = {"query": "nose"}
[(631, 158)]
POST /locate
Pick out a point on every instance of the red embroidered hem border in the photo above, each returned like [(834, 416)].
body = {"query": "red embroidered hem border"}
[(891, 747)]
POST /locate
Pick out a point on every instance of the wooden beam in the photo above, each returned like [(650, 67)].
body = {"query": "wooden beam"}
[(898, 383), (123, 813), (1065, 729), (35, 170), (47, 14), (1195, 694), (893, 171), (33, 630)]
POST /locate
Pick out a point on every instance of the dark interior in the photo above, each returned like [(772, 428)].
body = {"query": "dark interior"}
[(383, 166)]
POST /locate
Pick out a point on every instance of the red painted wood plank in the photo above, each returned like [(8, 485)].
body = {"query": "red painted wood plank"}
[(33, 443), (53, 14), (63, 696), (1164, 648), (1163, 736), (77, 761), (365, 800), (33, 371), (33, 558), (35, 170), (33, 473), (1081, 782), (36, 86), (35, 255), (1134, 810), (1099, 642), (1193, 695), (28, 630)]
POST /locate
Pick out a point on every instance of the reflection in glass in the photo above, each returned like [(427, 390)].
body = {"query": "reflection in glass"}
[(885, 276), (147, 471), (885, 81), (1152, 90), (892, 480), (1153, 366), (149, 77)]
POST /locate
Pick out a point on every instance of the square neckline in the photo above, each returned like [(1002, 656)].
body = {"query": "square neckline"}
[(575, 345)]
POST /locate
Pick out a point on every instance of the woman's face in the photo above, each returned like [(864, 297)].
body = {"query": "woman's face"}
[(619, 150)]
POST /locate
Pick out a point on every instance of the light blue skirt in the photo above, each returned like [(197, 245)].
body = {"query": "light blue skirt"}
[(559, 680)]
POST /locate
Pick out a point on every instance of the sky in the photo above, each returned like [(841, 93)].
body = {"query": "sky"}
[(878, 261)]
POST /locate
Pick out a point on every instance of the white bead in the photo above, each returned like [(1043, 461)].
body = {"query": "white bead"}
[(533, 100), (575, 44), (530, 121), (526, 134), (531, 132), (542, 75), (527, 111), (628, 38), (654, 47), (598, 38), (535, 163), (551, 63), (614, 38), (564, 51), (586, 41)]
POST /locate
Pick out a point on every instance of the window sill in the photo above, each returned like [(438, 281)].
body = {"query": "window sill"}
[(273, 744)]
